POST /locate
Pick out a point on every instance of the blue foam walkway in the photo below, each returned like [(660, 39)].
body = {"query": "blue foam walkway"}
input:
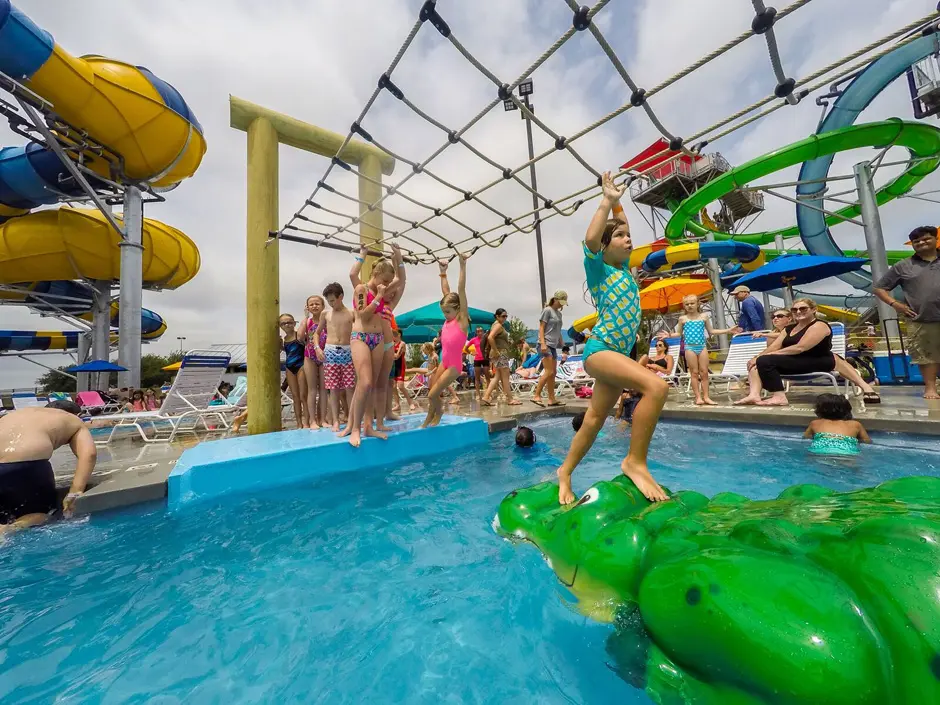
[(251, 463)]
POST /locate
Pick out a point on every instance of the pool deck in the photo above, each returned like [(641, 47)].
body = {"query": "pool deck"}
[(129, 472)]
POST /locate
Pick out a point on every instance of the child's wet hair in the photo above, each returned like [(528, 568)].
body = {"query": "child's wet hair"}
[(525, 437), (317, 297), (334, 289), (609, 228), (833, 407), (576, 421), (383, 268), (452, 300)]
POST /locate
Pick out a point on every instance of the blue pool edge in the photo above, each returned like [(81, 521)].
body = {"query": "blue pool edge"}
[(213, 469)]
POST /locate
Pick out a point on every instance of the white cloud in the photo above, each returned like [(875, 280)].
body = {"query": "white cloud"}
[(319, 62)]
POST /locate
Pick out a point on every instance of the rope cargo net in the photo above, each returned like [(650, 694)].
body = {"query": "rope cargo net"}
[(424, 240)]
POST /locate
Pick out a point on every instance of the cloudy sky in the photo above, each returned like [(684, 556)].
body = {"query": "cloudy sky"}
[(319, 62)]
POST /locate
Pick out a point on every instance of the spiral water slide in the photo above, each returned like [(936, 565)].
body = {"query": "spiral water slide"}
[(49, 254), (812, 225)]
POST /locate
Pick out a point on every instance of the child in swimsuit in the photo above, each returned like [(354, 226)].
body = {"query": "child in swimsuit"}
[(313, 333), (339, 374), (294, 353), (695, 328), (367, 344), (385, 272), (453, 341), (607, 248), (834, 431)]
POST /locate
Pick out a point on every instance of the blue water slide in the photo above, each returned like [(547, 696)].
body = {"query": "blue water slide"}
[(857, 96)]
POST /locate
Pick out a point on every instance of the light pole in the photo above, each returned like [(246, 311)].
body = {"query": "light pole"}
[(181, 339), (525, 90)]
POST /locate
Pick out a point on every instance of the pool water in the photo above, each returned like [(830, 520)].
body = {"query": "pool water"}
[(383, 587)]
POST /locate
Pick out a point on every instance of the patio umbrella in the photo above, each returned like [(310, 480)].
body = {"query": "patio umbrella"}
[(173, 367), (666, 295), (97, 366), (431, 315), (792, 270), (419, 334)]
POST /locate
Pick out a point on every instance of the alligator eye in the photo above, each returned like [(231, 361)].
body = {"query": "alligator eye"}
[(591, 495)]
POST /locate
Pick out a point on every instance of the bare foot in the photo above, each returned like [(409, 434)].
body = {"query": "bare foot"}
[(931, 395), (314, 426), (348, 430), (395, 415), (773, 402), (747, 400), (413, 407), (514, 402), (335, 427), (709, 402), (369, 433), (354, 439), (644, 482), (699, 402), (565, 495)]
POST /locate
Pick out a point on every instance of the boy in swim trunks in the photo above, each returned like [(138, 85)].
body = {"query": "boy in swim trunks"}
[(28, 437), (607, 248), (339, 375)]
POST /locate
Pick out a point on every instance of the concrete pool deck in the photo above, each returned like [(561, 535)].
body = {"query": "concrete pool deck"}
[(130, 472)]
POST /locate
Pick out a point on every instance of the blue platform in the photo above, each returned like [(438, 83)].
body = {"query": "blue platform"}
[(251, 463)]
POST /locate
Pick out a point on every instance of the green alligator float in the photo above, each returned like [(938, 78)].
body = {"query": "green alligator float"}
[(814, 597)]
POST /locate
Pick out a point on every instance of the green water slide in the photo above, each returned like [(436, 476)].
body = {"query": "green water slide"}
[(922, 142)]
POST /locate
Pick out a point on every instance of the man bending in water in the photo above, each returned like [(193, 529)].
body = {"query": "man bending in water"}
[(28, 437)]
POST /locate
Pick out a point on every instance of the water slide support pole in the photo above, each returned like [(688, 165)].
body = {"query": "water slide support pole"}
[(132, 252), (101, 326), (263, 280), (82, 378), (874, 239), (714, 274), (266, 129), (787, 291)]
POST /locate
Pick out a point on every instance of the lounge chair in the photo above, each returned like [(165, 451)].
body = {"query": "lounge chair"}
[(25, 400), (186, 406), (93, 400), (744, 346)]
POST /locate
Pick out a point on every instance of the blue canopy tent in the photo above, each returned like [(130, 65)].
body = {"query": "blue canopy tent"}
[(432, 316), (97, 366)]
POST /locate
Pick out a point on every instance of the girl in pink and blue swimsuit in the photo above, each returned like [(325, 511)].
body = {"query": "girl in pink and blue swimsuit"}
[(313, 334)]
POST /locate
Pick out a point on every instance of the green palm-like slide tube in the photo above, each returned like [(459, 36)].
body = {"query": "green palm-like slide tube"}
[(922, 142), (813, 597)]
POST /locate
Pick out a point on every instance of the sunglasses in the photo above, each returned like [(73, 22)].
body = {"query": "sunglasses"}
[(800, 309), (288, 323), (780, 315)]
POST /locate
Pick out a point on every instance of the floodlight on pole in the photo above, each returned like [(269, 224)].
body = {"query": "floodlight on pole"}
[(181, 338), (508, 105)]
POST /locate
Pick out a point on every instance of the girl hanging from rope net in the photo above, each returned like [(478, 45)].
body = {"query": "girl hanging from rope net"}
[(607, 248)]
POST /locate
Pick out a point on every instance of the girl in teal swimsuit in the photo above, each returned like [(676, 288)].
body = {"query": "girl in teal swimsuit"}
[(695, 328), (607, 248), (834, 431)]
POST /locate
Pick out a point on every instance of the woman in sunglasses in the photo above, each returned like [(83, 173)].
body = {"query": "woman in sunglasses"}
[(801, 347), (780, 319)]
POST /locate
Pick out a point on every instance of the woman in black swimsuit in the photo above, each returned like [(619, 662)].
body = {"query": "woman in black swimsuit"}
[(661, 362), (294, 362)]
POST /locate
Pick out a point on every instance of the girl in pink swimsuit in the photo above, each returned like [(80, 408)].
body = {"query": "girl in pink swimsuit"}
[(314, 339), (453, 340)]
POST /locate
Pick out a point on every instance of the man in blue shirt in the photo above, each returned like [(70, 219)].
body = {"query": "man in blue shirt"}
[(752, 311)]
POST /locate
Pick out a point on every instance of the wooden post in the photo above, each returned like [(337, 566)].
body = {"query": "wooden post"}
[(266, 129), (262, 284), (370, 222)]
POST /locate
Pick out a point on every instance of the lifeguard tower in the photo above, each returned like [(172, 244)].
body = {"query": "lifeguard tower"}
[(665, 179)]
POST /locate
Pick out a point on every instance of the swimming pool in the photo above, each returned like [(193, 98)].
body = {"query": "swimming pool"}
[(386, 587)]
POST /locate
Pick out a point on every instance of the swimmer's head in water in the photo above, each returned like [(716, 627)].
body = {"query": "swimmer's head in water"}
[(576, 421), (525, 437), (833, 407), (65, 405), (616, 243)]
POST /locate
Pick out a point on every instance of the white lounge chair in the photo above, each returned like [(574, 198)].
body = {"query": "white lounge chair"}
[(186, 406), (744, 346), (25, 400)]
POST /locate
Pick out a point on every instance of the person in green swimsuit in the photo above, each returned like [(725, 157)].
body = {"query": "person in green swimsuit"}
[(834, 431), (607, 248)]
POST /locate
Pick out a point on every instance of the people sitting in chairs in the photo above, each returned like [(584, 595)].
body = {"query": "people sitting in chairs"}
[(805, 347), (660, 361), (780, 319)]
